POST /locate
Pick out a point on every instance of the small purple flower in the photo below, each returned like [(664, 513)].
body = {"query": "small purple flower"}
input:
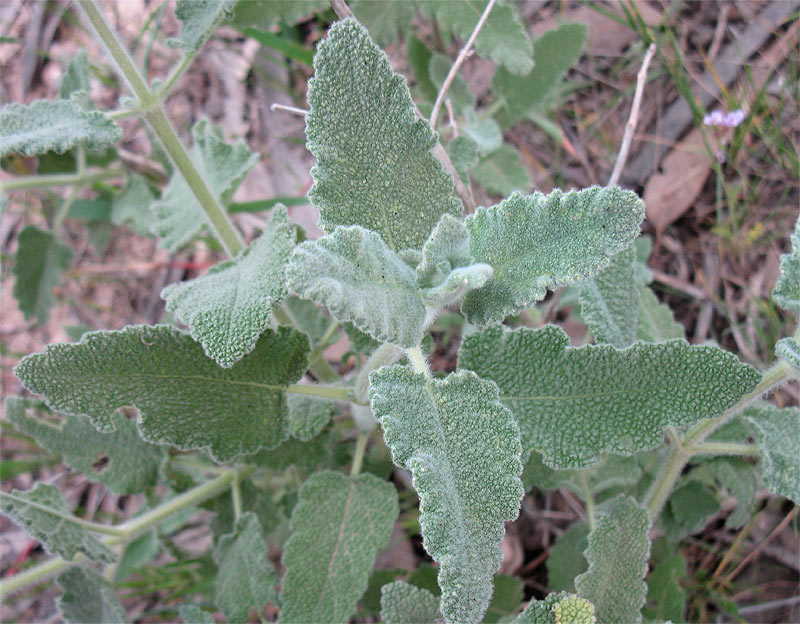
[(727, 120)]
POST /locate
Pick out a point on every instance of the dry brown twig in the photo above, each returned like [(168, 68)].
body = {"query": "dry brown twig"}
[(633, 118)]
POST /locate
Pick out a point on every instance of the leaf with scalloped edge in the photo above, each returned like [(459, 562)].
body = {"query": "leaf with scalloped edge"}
[(566, 561), (184, 398), (374, 162), (780, 448), (789, 350), (539, 241), (573, 404), (557, 608), (88, 598), (263, 14), (665, 596), (178, 215), (447, 271), (385, 19), (500, 172), (503, 37), (402, 603), (246, 578), (199, 18), (192, 614), (308, 416), (40, 259), (787, 289), (656, 322), (131, 206), (554, 52), (619, 548), (462, 448), (57, 534), (359, 279), (229, 307), (76, 78), (131, 464), (740, 479), (57, 125), (610, 301), (338, 526)]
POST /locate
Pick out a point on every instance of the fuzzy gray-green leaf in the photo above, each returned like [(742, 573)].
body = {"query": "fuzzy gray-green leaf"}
[(374, 162), (787, 290), (788, 350), (780, 448), (538, 241), (338, 526), (192, 614), (617, 554), (610, 301), (185, 399), (566, 561), (57, 534), (501, 172), (665, 596), (555, 52), (402, 603), (179, 216), (131, 464), (88, 598), (131, 206), (228, 308), (246, 578), (573, 404), (40, 259), (55, 126), (557, 608), (656, 322), (359, 279), (462, 448), (76, 78), (199, 18), (502, 38)]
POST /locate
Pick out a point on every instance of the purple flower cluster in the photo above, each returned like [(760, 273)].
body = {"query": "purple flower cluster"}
[(727, 120)]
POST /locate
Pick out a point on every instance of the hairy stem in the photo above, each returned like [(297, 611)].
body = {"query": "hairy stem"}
[(337, 393), (358, 457), (723, 448), (680, 453), (418, 361), (60, 179), (86, 524), (153, 112), (132, 528)]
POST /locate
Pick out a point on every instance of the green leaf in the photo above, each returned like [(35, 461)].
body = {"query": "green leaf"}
[(339, 525), (57, 534), (309, 319), (502, 39), (59, 125), (610, 301), (264, 13), (780, 448), (561, 608), (419, 57), (617, 554), (229, 307), (402, 603), (185, 399), (555, 52), (463, 152), (459, 93), (76, 78), (358, 278), (192, 614), (789, 350), (38, 264), (538, 241), (246, 578), (136, 554), (179, 216), (566, 561), (612, 471), (486, 134), (656, 322), (573, 404), (374, 162), (689, 507), (385, 19), (129, 464), (787, 290), (88, 598), (131, 206), (199, 18), (665, 596), (462, 448), (740, 479), (500, 172), (447, 271), (506, 598), (308, 416)]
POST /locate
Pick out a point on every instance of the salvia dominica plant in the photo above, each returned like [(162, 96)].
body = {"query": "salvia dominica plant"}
[(240, 414)]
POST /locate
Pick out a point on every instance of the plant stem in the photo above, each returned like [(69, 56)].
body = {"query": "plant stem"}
[(236, 499), (589, 501), (418, 361), (59, 179), (723, 448), (153, 112), (358, 458), (680, 454), (175, 74), (337, 393), (132, 528), (86, 524), (384, 355), (317, 363)]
